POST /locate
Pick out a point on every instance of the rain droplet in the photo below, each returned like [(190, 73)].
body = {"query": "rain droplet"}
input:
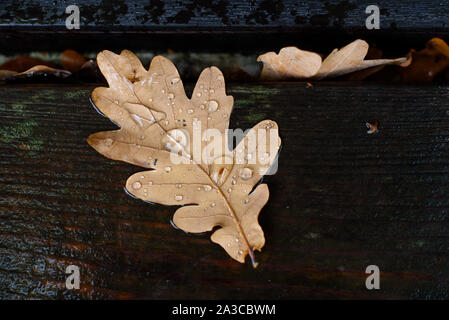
[(163, 91), (246, 201), (178, 197), (108, 142), (220, 78), (236, 240), (137, 185), (207, 188), (179, 186), (212, 106), (150, 100), (211, 90), (190, 111), (202, 107), (225, 115), (234, 182), (142, 177), (150, 183), (229, 190), (167, 169), (246, 173), (174, 80), (228, 244), (213, 204), (198, 94), (166, 122), (171, 96), (240, 252), (199, 189)]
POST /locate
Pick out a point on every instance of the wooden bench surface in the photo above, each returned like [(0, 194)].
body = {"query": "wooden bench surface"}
[(341, 200)]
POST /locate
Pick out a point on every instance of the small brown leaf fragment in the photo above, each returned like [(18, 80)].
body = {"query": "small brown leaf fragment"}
[(43, 70), (7, 74), (290, 63), (23, 63), (373, 127), (72, 60), (156, 120), (427, 63)]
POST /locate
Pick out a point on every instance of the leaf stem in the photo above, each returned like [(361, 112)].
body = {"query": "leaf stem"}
[(237, 222)]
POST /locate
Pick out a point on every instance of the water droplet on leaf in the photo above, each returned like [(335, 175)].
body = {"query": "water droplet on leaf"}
[(137, 185), (212, 106), (246, 173)]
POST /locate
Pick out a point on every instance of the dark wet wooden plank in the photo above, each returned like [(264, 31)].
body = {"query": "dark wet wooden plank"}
[(213, 25), (341, 200), (236, 14)]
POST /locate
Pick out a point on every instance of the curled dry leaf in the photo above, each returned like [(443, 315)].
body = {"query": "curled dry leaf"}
[(350, 59), (40, 70), (72, 60), (298, 64), (427, 63), (156, 121), (291, 62), (23, 63), (6, 74)]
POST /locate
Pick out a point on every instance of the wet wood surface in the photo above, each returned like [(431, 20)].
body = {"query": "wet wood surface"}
[(341, 200)]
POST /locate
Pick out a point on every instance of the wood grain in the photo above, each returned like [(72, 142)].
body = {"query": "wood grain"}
[(340, 201)]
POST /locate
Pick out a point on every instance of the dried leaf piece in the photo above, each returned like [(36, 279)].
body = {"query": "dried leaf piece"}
[(23, 63), (7, 74), (72, 60), (351, 58), (427, 63), (39, 70), (291, 62), (156, 121), (298, 64)]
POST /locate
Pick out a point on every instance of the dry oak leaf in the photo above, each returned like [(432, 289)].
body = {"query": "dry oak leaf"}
[(295, 63), (291, 62), (155, 118)]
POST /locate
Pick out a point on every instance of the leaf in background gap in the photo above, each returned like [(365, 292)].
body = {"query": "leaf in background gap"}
[(291, 62), (38, 71), (7, 74), (339, 60), (72, 60), (156, 121), (427, 63), (23, 63)]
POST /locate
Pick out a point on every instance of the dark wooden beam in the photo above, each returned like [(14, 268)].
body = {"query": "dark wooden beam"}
[(217, 25), (341, 200)]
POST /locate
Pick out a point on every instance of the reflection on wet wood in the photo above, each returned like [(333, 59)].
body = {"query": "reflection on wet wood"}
[(341, 200)]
